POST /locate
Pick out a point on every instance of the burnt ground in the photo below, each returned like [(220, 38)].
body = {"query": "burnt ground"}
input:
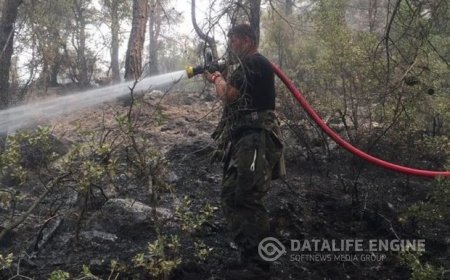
[(320, 198)]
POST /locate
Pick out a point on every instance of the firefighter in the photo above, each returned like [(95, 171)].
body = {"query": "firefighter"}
[(249, 135)]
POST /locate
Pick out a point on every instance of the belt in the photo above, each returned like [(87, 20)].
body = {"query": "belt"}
[(251, 121), (257, 115)]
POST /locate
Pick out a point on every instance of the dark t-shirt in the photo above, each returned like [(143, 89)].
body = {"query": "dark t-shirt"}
[(254, 78)]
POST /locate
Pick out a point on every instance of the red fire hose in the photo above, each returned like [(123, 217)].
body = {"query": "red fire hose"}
[(343, 143)]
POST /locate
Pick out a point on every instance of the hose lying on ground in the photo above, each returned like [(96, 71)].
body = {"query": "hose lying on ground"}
[(343, 143)]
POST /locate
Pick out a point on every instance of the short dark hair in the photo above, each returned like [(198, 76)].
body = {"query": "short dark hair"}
[(242, 30)]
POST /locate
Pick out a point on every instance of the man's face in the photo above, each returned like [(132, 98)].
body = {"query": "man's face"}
[(238, 45)]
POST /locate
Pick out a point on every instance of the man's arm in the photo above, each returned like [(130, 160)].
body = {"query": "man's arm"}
[(225, 92)]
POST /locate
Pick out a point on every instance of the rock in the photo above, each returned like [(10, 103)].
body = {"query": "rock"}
[(172, 178), (180, 123), (98, 236), (192, 133), (94, 238), (122, 178), (390, 206), (118, 214), (169, 127)]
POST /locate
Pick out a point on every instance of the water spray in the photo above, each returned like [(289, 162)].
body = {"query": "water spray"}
[(27, 115)]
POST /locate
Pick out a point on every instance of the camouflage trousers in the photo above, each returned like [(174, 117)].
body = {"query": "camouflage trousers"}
[(246, 180)]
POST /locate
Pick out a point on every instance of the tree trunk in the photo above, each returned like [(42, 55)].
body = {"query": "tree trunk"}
[(373, 11), (255, 16), (7, 20), (133, 61), (55, 61), (283, 40), (289, 6), (54, 71), (154, 29), (80, 21), (115, 29)]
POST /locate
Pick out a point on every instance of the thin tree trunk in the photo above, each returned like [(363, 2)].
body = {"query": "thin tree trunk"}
[(115, 28), (289, 5), (154, 27), (373, 12), (133, 61), (7, 21), (255, 16), (84, 76)]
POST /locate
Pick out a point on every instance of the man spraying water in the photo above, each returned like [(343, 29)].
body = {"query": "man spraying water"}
[(248, 132)]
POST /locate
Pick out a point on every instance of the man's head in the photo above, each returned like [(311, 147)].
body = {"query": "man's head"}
[(242, 40)]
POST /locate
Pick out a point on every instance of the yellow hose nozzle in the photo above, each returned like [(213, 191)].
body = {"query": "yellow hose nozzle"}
[(193, 71), (190, 71)]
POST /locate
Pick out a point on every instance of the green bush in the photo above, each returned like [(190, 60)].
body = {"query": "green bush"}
[(419, 270), (435, 208), (161, 258)]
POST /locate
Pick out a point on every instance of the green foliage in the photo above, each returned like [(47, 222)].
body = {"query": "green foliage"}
[(438, 147), (420, 271), (10, 161), (193, 221), (59, 275), (28, 150), (161, 257), (48, 25), (122, 7), (88, 274), (202, 251), (6, 261), (356, 75), (5, 199), (116, 269), (25, 151), (330, 21), (436, 208), (91, 163), (159, 116)]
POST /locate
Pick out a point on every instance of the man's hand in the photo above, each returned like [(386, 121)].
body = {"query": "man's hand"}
[(211, 77), (225, 92)]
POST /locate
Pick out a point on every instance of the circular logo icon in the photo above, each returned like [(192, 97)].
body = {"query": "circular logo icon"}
[(270, 249)]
